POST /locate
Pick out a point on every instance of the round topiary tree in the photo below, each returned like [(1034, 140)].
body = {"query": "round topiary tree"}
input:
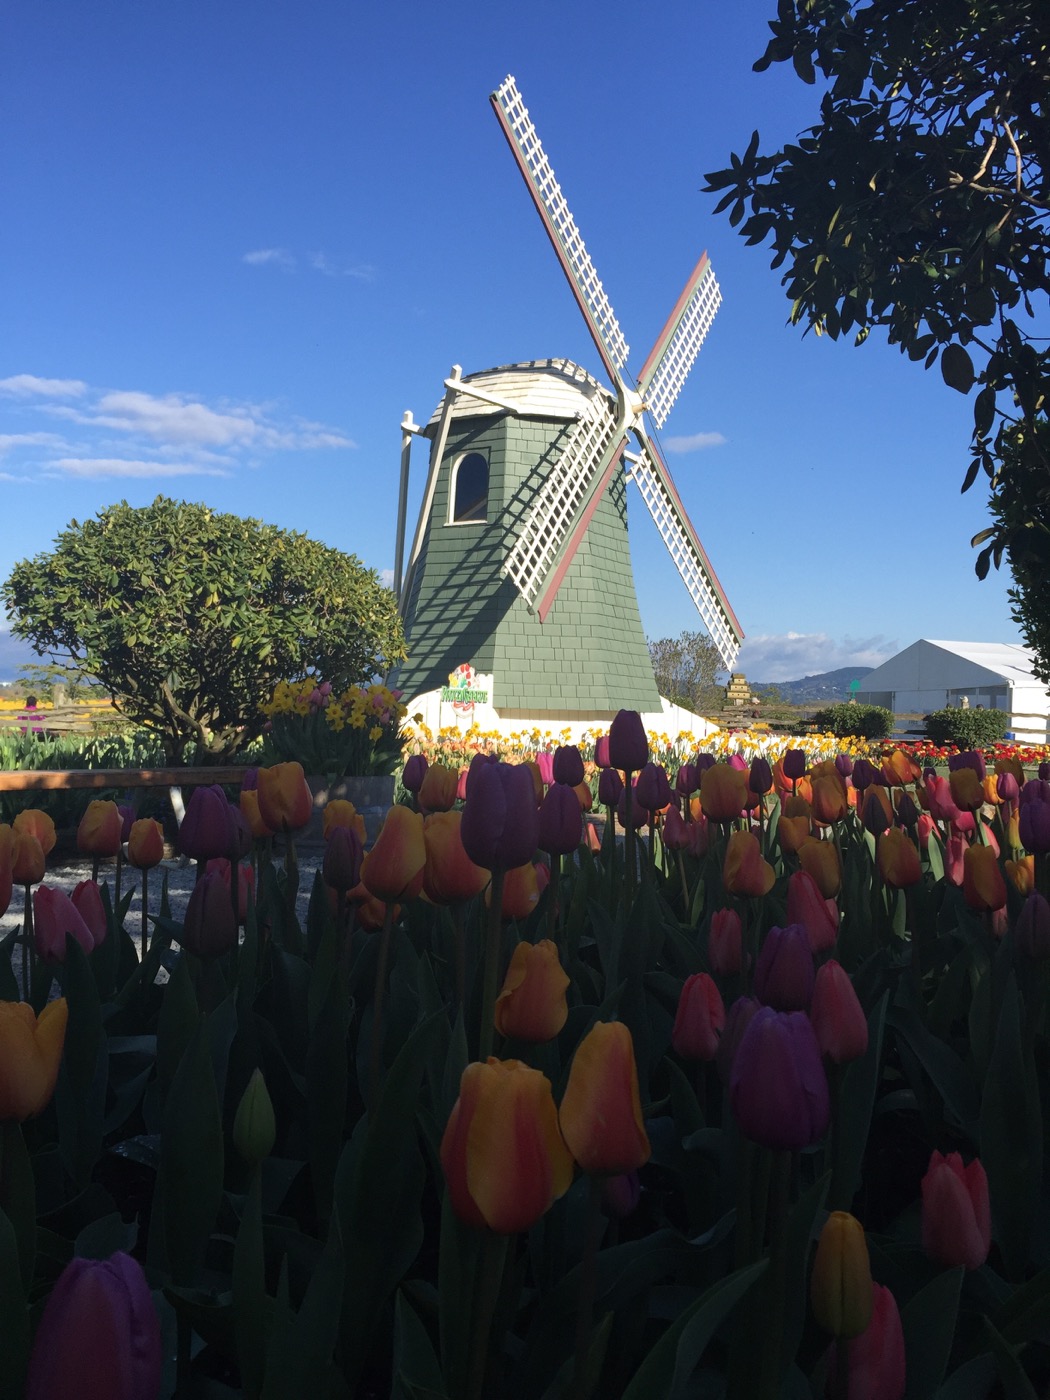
[(189, 617)]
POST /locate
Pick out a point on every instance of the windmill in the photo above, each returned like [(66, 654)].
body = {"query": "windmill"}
[(520, 565)]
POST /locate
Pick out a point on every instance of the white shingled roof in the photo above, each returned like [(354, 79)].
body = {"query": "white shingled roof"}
[(556, 389), (1007, 659)]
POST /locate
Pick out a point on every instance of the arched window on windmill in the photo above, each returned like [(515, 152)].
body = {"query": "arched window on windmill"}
[(469, 494)]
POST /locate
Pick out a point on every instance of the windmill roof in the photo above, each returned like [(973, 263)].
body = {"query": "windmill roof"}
[(556, 389)]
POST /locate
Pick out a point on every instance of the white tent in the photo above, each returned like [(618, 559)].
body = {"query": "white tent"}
[(932, 675)]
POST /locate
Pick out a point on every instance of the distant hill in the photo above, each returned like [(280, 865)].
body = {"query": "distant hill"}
[(825, 689)]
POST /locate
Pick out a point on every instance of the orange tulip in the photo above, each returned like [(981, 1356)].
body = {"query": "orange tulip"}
[(504, 1159), (898, 859), (1013, 831), (1011, 764), (796, 806), (991, 790), (27, 859), (285, 799), (537, 778), (449, 876), (393, 868), (437, 792), (723, 792), (899, 770), (966, 788), (30, 1054), (371, 912), (1021, 874), (339, 812), (33, 822), (145, 843), (821, 860), (521, 891), (601, 1113), (7, 845), (249, 804), (794, 832), (584, 796), (100, 829), (532, 1004), (983, 884), (829, 799), (744, 871)]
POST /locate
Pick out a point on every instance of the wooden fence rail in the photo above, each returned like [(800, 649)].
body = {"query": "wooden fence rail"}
[(62, 779)]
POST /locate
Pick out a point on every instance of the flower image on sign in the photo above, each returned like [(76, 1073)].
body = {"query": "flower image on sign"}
[(461, 691)]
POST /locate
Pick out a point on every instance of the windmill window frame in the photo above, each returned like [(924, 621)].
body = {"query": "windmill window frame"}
[(481, 503)]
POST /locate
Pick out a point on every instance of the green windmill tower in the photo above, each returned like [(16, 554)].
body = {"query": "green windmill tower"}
[(520, 569)]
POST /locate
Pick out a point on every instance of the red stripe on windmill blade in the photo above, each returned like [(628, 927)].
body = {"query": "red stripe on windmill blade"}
[(554, 580), (671, 325)]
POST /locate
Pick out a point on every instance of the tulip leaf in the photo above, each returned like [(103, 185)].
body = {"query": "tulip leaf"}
[(1015, 1382), (417, 1371), (947, 1072), (177, 1023), (250, 1303), (1025, 1314), (18, 1195), (105, 1236), (1012, 1137), (855, 1104), (80, 1094), (666, 1370), (327, 1078), (14, 1316), (974, 1377), (191, 1159), (300, 1353), (928, 1322)]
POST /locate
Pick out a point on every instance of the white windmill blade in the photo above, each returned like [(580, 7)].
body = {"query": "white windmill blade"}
[(597, 437), (561, 227), (652, 478), (678, 344)]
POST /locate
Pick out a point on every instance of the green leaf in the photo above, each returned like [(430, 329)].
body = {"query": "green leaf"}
[(957, 368), (928, 1322), (856, 1102), (14, 1316), (416, 1367), (1015, 1383), (191, 1159)]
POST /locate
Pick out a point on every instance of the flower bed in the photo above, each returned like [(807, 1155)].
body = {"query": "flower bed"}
[(746, 1103)]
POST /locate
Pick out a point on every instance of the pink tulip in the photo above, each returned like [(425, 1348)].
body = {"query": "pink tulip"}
[(956, 1214), (55, 915)]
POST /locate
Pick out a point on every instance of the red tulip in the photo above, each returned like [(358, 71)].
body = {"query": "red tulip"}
[(208, 928), (87, 901), (725, 942), (807, 906), (875, 1359), (699, 1019), (837, 1016)]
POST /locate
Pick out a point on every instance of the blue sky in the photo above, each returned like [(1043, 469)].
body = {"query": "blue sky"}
[(238, 241)]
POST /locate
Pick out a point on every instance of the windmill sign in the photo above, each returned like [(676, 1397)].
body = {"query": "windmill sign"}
[(520, 557)]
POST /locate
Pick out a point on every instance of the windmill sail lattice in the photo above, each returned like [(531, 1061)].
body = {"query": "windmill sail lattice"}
[(674, 353)]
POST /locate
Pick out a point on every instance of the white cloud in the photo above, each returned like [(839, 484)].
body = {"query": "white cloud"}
[(275, 257), (693, 442), (25, 386), (93, 467), (792, 655), (386, 578), (9, 441), (321, 262), (173, 419)]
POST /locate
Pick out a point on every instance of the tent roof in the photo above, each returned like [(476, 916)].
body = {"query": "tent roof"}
[(1008, 659)]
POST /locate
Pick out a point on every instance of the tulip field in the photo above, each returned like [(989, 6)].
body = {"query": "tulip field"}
[(639, 1071)]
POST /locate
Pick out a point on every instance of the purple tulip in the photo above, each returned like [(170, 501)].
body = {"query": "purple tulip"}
[(610, 787), (128, 817), (687, 780), (1008, 789), (873, 815), (500, 827), (864, 774), (1032, 931), (343, 853), (568, 765), (250, 781), (601, 751), (205, 830), (784, 973), (907, 812), (653, 790), (209, 928), (738, 1018), (703, 762), (970, 759), (778, 1089), (760, 776), (416, 766), (621, 1194), (1033, 823), (628, 745), (794, 764), (1044, 772), (477, 763), (639, 815), (844, 765), (99, 1335), (560, 821)]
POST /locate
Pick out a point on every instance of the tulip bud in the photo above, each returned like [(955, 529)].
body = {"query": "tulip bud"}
[(837, 1016), (807, 906), (744, 871), (568, 765), (30, 1054), (344, 851), (956, 1214), (777, 1088), (205, 830), (967, 789), (100, 829), (784, 973), (699, 1019), (254, 1125), (687, 780), (983, 885), (1033, 822), (500, 821), (760, 777), (898, 859), (503, 1157), (601, 751), (245, 883), (823, 864), (628, 744), (972, 759), (33, 822), (875, 1359), (723, 793), (610, 787), (437, 792), (601, 1112), (209, 928), (738, 1018), (285, 799), (829, 799), (863, 774), (393, 868), (145, 844), (449, 876), (840, 1286), (54, 915), (560, 827), (249, 806), (793, 763), (414, 772), (87, 901), (521, 891), (532, 1004), (653, 789), (873, 815), (27, 858), (99, 1334), (725, 942), (844, 765), (675, 831)]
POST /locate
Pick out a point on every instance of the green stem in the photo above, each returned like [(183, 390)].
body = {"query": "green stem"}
[(145, 912), (117, 876), (629, 842), (491, 973), (588, 1289), (375, 1058), (27, 939), (771, 1362), (486, 1296), (459, 951)]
